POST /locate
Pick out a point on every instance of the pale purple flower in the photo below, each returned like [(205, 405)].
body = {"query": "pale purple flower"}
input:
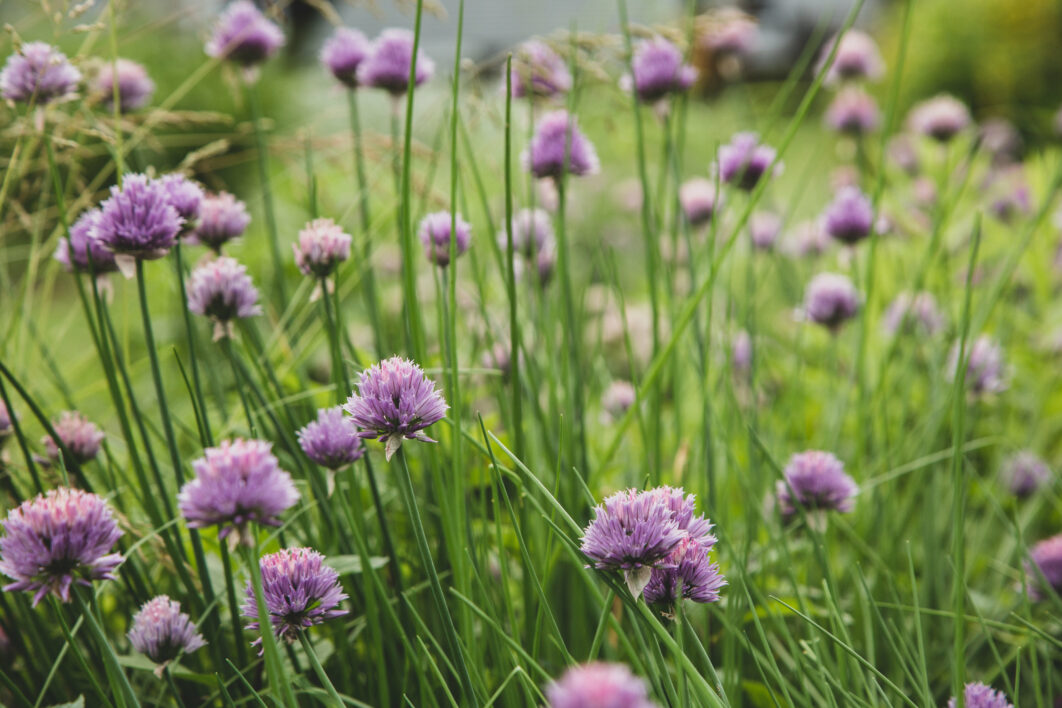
[(299, 590), (498, 357), (618, 398), (913, 314), (221, 290), (138, 220), (343, 53), (1001, 140), (322, 245), (544, 264), (79, 435), (941, 117), (849, 218), (244, 35), (807, 239), (6, 426), (38, 73), (694, 576), (161, 632), (699, 200), (732, 32), (185, 196), (978, 695), (599, 685), (815, 481), (135, 87), (222, 217), (435, 235), (831, 300), (238, 482), (764, 227), (387, 66), (74, 252), (901, 151), (857, 58), (558, 146), (853, 111), (1047, 557), (741, 351), (984, 366), (532, 232), (1024, 472), (538, 71), (332, 440), (744, 161), (659, 70), (395, 401), (1008, 193), (56, 539)]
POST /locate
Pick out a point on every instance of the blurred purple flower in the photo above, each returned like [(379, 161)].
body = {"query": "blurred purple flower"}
[(80, 436), (831, 300), (659, 70), (978, 695), (185, 196), (984, 366), (849, 218), (74, 252), (744, 161), (764, 227), (599, 685), (854, 112), (532, 232), (538, 71), (434, 233), (901, 151), (941, 117), (38, 73), (558, 146), (300, 591), (221, 290), (1001, 140), (135, 87), (732, 32), (618, 398), (1047, 557), (915, 314), (857, 58), (807, 239), (387, 66), (1008, 192), (1024, 472), (741, 351), (699, 200), (161, 632), (817, 482), (332, 440), (222, 217), (322, 245), (5, 423), (244, 35), (138, 221), (343, 53)]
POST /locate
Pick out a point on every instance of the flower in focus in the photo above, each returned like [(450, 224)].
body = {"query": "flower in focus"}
[(222, 217), (857, 58), (941, 117), (978, 695), (221, 290), (850, 216), (138, 221), (238, 482), (434, 233), (764, 227), (185, 196), (57, 539), (244, 35), (395, 401), (299, 591), (558, 146), (599, 685), (913, 314), (135, 87), (80, 436), (1047, 557), (853, 112), (984, 366), (618, 398), (332, 440), (538, 71), (82, 251), (1024, 473), (161, 632), (387, 66), (688, 564), (38, 73), (831, 300), (815, 481), (322, 245), (659, 70), (343, 53), (699, 200), (744, 161)]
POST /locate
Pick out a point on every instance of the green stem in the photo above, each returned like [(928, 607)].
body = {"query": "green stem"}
[(77, 652), (274, 668), (168, 673), (234, 607), (318, 669), (192, 347), (105, 648), (253, 101), (514, 320), (368, 275)]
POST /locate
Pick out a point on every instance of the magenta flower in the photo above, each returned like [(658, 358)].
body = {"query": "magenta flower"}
[(915, 314), (857, 58), (599, 685), (815, 481), (941, 118), (659, 70), (699, 201), (79, 435), (539, 72), (387, 66), (332, 440), (161, 632), (978, 695), (57, 539), (82, 251), (135, 87), (238, 482), (743, 162), (558, 146), (343, 53), (138, 221), (850, 216), (300, 591), (395, 401), (1024, 472), (222, 217), (38, 73), (434, 233), (221, 290), (322, 246), (984, 366), (831, 300), (244, 35), (854, 112)]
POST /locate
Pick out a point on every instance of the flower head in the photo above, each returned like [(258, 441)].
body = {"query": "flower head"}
[(1002, 141), (532, 232), (914, 314), (659, 70), (161, 632), (299, 591), (807, 239), (764, 227), (831, 300), (1008, 193), (857, 58), (185, 196), (222, 217), (699, 200), (322, 245), (734, 32), (78, 434), (57, 539), (1047, 557), (743, 162), (221, 290), (387, 66), (343, 53), (5, 423), (238, 482), (332, 440), (434, 232), (138, 219), (618, 398), (850, 216), (395, 401), (244, 35), (599, 685), (978, 695), (135, 87), (1024, 473), (984, 366), (75, 252), (558, 146), (741, 351), (538, 71), (941, 117), (817, 482), (693, 577), (854, 112), (38, 73)]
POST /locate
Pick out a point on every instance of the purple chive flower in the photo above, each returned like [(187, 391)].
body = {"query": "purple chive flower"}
[(299, 591), (434, 232), (238, 482), (659, 70), (135, 87), (538, 71), (817, 482), (332, 440), (913, 314), (699, 201), (599, 685), (632, 531), (185, 196), (1047, 556), (5, 423), (744, 161), (741, 351), (850, 216), (808, 239), (387, 66), (764, 227), (221, 290), (732, 32), (322, 245), (1024, 473), (161, 632), (74, 252), (138, 221), (831, 300), (395, 401), (694, 576), (38, 73), (57, 539), (222, 217), (941, 117), (857, 58), (558, 146), (978, 695), (1001, 140), (244, 35), (901, 151), (79, 435), (1008, 192), (854, 112), (343, 53), (984, 366), (532, 232), (618, 398)]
